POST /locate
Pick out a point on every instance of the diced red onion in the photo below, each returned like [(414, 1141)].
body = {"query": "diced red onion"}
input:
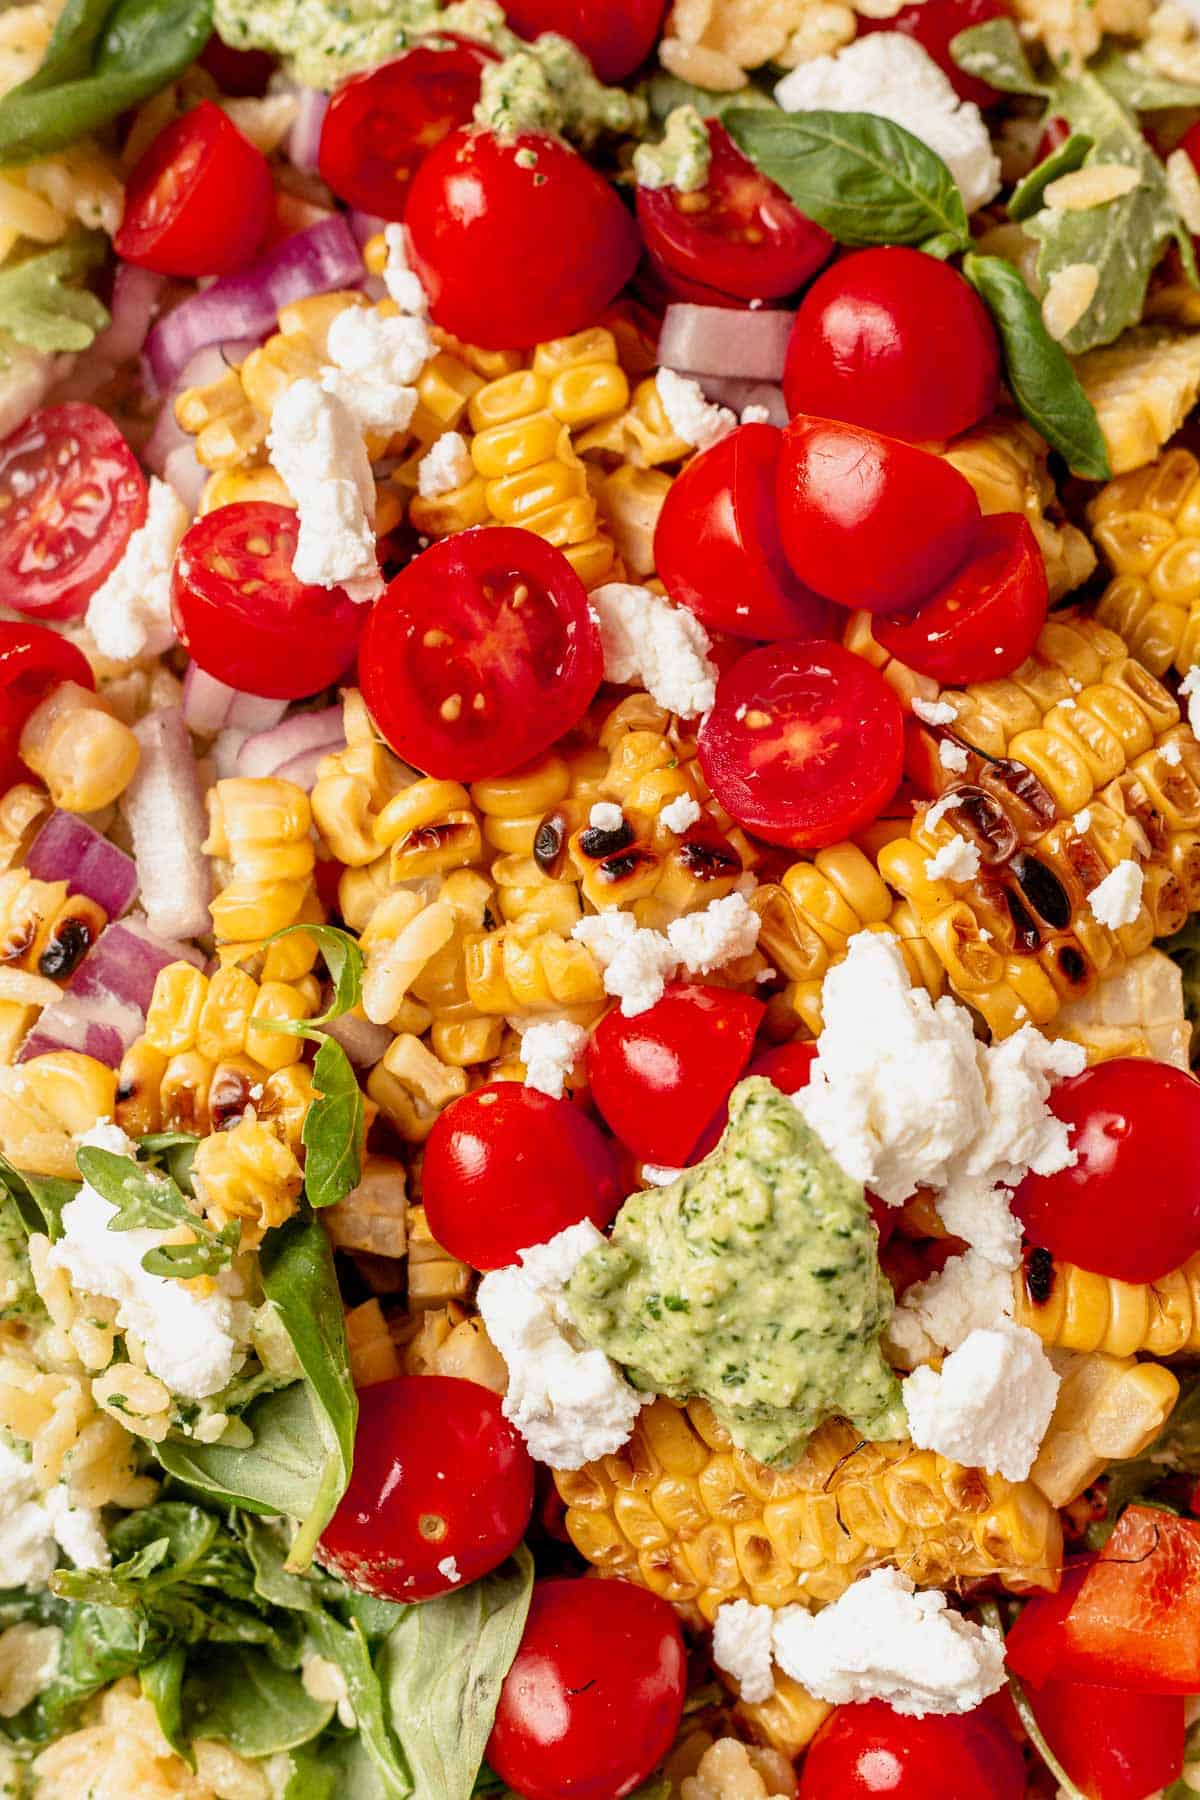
[(251, 712), (165, 809), (184, 471), (738, 394), (363, 1042), (304, 139), (247, 304), (303, 736), (365, 225), (167, 437), (135, 296), (206, 701), (68, 849), (103, 1029), (709, 340)]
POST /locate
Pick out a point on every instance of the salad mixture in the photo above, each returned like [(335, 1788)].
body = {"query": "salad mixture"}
[(599, 900)]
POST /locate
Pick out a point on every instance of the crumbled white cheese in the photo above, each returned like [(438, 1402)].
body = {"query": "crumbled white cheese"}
[(77, 1529), (322, 1679), (448, 1569), (892, 76), (129, 615), (1117, 900), (756, 415), (937, 812), (569, 1402), (550, 1052), (952, 756), (693, 418), (989, 1405), (1082, 821), (934, 712), (968, 1293), (680, 814), (658, 1175), (1172, 755), (605, 816), (883, 1641), (664, 648), (35, 1526), (403, 284), (446, 465), (1189, 690), (955, 860), (723, 931), (741, 1646), (636, 962), (373, 362), (316, 447)]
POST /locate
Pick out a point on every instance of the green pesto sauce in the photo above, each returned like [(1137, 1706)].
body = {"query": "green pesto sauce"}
[(680, 159), (753, 1281), (549, 86), (323, 41), (18, 1296)]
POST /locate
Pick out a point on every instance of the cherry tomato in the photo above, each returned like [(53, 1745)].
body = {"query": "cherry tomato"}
[(805, 744), (1113, 1745), (33, 662), (870, 521), (896, 341), (869, 1749), (71, 496), (499, 232), (241, 72), (1055, 133), (380, 126), (245, 618), (717, 545), (593, 1700), (987, 618), (481, 654), (441, 1493), (657, 1078), (616, 37), (199, 201), (739, 233), (1130, 1205), (935, 24), (787, 1066), (507, 1167)]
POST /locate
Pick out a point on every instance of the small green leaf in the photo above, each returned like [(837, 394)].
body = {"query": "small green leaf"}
[(1130, 79), (147, 1198), (39, 307), (346, 1645), (333, 1129), (942, 247), (344, 960), (161, 1683), (995, 54), (1044, 384), (1028, 195), (237, 1694), (39, 1199), (866, 180)]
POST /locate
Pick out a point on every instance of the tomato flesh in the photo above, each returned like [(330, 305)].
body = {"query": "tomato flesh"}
[(33, 662), (869, 1749), (805, 744), (616, 36), (242, 614), (935, 24), (199, 202), (1113, 1745)]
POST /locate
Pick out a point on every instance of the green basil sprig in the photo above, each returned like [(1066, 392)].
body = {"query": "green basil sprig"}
[(146, 1197)]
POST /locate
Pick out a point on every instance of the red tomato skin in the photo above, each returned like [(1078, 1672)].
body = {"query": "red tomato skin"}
[(507, 1167), (244, 73), (199, 201), (1033, 1646), (1130, 1206), (869, 1749), (429, 1449), (33, 662), (656, 1079), (987, 618), (537, 664), (858, 748), (749, 240), (285, 639), (935, 24), (895, 341), (616, 37), (594, 1697), (52, 468), (380, 125), (474, 211), (717, 545), (1113, 1745), (787, 1066), (869, 521)]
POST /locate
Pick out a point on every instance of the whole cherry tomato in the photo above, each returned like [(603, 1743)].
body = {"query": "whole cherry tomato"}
[(656, 1079), (897, 341), (935, 24), (987, 618), (717, 546), (381, 125), (616, 37), (199, 201), (71, 497), (739, 233), (1129, 1207), (522, 213), (869, 1749), (441, 1492), (33, 662), (507, 1167), (805, 744), (787, 1066), (1113, 1745), (868, 520), (593, 1700), (481, 654), (245, 618)]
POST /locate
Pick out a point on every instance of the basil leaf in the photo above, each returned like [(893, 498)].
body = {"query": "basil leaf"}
[(280, 1472), (239, 1696), (147, 1198), (1130, 79), (38, 307), (161, 1684), (312, 1775), (343, 959), (663, 93), (333, 1129), (346, 1646), (38, 1199), (994, 52), (1028, 195), (1044, 384), (866, 180)]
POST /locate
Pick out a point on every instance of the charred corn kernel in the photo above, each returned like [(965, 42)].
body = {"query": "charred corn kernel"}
[(1138, 1011), (184, 1093), (1147, 525), (683, 1513), (247, 1173), (261, 828), (1076, 1309), (372, 1219), (521, 968), (283, 1106), (1006, 463), (1108, 1407), (434, 1276), (1142, 388), (138, 1106), (513, 806), (277, 1001), (85, 757), (373, 1352), (176, 1007), (24, 809), (352, 789), (412, 1087), (224, 1019), (43, 930)]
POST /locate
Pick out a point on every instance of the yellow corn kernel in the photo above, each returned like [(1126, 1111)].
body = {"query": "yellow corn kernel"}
[(184, 1093), (1109, 1408), (247, 1173), (176, 1008), (221, 1029), (75, 1090), (412, 1087), (24, 809), (138, 1106), (373, 1353), (85, 757), (277, 1000), (434, 1276)]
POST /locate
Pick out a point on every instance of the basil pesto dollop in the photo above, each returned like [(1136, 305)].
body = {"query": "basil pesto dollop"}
[(753, 1281), (322, 44)]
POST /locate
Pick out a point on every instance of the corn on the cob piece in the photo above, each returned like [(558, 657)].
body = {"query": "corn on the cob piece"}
[(1075, 1309), (1148, 526), (260, 827), (1006, 463), (1142, 387), (1108, 1407), (681, 1511), (1139, 1011)]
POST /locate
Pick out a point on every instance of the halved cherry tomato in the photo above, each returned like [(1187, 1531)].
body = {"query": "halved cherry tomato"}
[(524, 212), (1129, 1207), (594, 1697), (71, 497), (481, 654), (507, 1167), (935, 24), (868, 520), (33, 662), (869, 1749), (381, 125), (739, 233), (804, 745), (897, 341), (986, 620), (616, 36), (199, 201), (786, 1066), (717, 546), (441, 1493), (1113, 1745), (656, 1079), (241, 72), (242, 614)]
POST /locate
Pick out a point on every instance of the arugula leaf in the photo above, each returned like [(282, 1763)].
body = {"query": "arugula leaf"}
[(994, 52), (343, 959), (1027, 197), (39, 1199), (866, 180), (146, 1197), (40, 309), (333, 1129), (243, 1698), (1130, 79), (1044, 384)]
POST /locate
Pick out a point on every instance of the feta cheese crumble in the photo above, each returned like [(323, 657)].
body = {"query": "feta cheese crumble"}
[(605, 816), (955, 860), (934, 712), (637, 963), (658, 1175), (1117, 900), (726, 930), (317, 449), (966, 1294), (649, 642), (373, 362), (952, 756), (989, 1405), (680, 814), (448, 1569), (35, 1526), (741, 1646), (446, 465), (403, 284), (693, 418), (129, 615), (550, 1052)]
